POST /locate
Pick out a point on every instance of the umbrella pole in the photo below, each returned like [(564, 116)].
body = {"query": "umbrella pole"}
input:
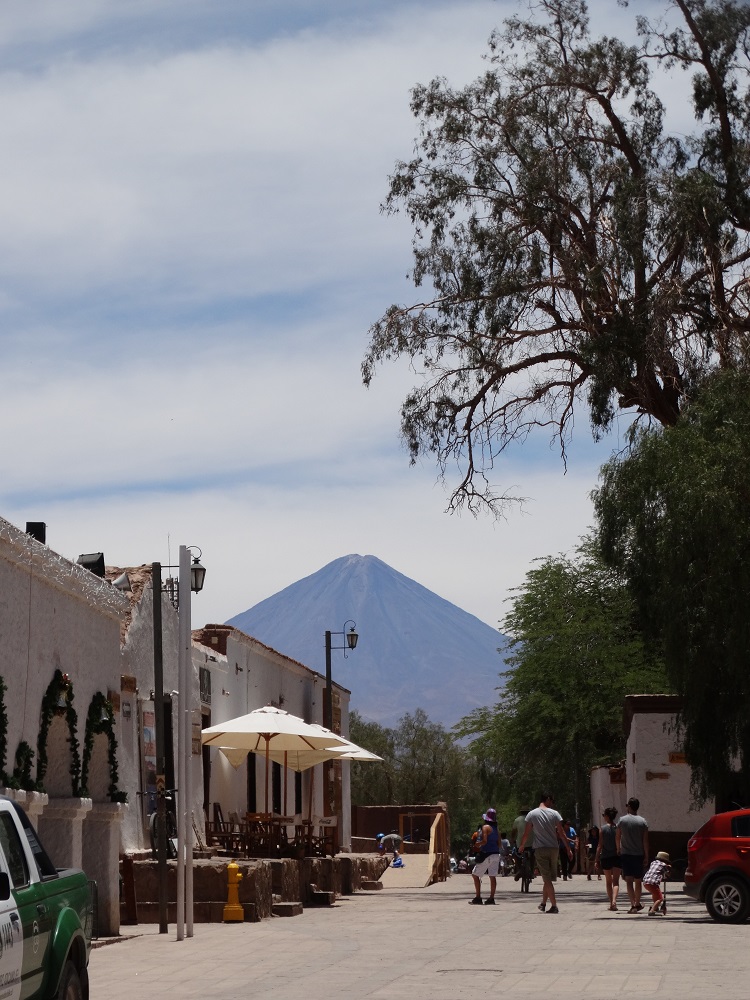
[(309, 811), (267, 738), (286, 773)]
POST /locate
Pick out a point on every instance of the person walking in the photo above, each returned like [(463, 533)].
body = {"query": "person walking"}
[(488, 859), (545, 825), (632, 846), (567, 858), (516, 831), (590, 848), (607, 859)]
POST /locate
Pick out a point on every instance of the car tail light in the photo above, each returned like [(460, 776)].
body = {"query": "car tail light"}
[(695, 843)]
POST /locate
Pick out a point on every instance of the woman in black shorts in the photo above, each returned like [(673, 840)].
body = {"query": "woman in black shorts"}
[(607, 859)]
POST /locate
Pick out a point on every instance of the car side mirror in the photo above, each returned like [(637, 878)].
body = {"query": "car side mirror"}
[(4, 886)]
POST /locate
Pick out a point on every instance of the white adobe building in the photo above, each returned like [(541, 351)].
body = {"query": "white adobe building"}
[(78, 707), (60, 655), (655, 772), (236, 674)]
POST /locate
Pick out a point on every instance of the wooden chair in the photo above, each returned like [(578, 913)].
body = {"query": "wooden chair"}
[(219, 832), (324, 835), (258, 835), (284, 833)]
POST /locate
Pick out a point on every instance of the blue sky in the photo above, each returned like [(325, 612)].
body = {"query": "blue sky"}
[(191, 254)]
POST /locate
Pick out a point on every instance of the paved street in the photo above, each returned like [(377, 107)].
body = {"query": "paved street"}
[(427, 943)]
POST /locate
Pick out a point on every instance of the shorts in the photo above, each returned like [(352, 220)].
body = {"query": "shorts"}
[(632, 865), (607, 864), (546, 862), (489, 866)]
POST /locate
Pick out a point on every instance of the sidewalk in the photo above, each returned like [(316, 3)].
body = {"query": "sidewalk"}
[(427, 943)]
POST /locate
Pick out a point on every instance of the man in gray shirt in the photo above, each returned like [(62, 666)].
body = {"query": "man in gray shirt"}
[(545, 824), (632, 846)]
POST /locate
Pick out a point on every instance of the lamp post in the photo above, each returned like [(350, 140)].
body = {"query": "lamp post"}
[(350, 644), (191, 578)]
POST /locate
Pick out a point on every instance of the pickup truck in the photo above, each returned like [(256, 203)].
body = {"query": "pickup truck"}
[(46, 917)]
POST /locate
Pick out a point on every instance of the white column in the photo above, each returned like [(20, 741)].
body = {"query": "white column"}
[(184, 751)]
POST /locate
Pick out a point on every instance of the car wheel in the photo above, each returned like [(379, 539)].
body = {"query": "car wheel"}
[(728, 900), (70, 984)]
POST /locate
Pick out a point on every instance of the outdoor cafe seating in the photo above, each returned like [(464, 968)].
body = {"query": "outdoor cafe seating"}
[(268, 835)]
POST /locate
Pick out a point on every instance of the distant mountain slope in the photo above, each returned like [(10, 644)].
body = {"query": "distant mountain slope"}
[(416, 650)]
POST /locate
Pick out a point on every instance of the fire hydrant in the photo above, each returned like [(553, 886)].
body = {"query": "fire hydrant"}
[(233, 910)]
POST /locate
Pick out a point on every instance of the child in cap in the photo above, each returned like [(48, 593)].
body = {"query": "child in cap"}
[(657, 872)]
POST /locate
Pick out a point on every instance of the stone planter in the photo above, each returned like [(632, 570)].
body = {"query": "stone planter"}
[(101, 860), (61, 829)]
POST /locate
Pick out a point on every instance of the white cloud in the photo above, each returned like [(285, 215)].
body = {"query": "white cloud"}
[(191, 254), (258, 539)]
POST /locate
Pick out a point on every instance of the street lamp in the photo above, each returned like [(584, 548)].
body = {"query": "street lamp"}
[(191, 578), (351, 643), (351, 638)]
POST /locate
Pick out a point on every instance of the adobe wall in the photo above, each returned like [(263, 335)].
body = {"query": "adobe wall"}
[(263, 883), (658, 775)]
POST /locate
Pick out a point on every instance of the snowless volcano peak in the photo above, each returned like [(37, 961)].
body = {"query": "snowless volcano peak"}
[(416, 650)]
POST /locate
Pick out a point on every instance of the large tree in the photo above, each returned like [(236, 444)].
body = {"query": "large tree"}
[(570, 249), (576, 652), (674, 517)]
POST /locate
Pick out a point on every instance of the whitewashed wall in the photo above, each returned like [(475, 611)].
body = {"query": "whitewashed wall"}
[(54, 615), (606, 791), (138, 662), (656, 772)]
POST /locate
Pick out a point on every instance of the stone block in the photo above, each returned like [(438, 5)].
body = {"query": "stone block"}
[(286, 909)]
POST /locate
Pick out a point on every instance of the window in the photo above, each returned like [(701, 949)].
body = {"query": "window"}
[(741, 826), (44, 865), (18, 869)]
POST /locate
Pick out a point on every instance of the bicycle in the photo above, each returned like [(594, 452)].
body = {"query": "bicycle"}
[(170, 823), (524, 868)]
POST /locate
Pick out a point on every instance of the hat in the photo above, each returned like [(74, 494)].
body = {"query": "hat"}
[(662, 856), (490, 816)]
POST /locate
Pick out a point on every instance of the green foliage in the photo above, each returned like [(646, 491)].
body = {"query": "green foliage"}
[(100, 719), (576, 653), (59, 688), (674, 517), (422, 763), (573, 252), (22, 772)]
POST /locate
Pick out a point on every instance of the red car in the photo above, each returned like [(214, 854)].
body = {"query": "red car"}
[(718, 867)]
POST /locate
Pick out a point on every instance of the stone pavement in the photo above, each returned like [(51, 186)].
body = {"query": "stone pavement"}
[(427, 943)]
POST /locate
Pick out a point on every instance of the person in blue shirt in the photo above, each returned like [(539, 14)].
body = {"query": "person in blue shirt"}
[(567, 860), (488, 858)]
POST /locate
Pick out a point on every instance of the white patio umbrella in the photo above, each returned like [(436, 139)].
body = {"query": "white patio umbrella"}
[(235, 757), (267, 729), (356, 753), (302, 760)]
